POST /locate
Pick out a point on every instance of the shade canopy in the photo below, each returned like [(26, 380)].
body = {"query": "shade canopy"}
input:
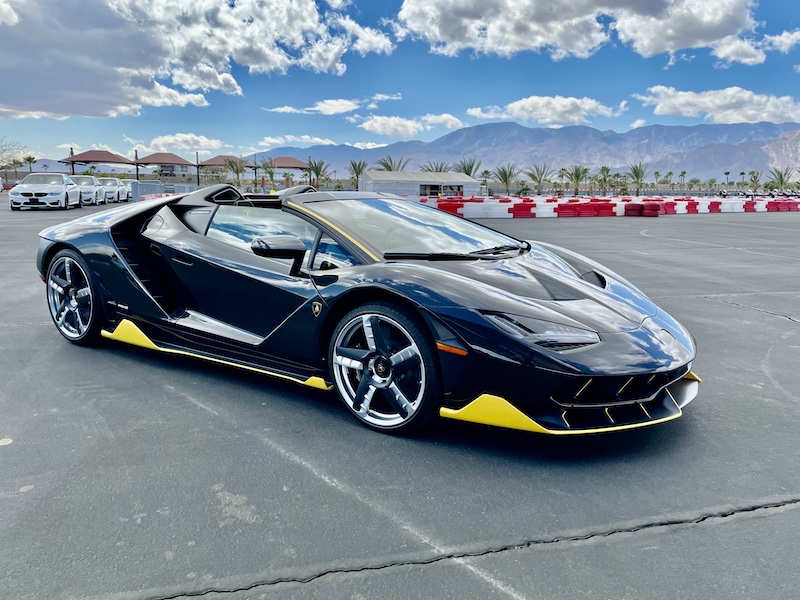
[(164, 158), (283, 162), (219, 161), (97, 156)]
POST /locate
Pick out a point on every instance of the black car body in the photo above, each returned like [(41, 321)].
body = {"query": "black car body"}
[(406, 311)]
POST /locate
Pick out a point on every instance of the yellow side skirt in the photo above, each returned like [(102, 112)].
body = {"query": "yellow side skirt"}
[(494, 410), (128, 333)]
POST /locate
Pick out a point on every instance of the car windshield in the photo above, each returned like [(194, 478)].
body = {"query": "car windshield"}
[(82, 180), (393, 225), (108, 182), (43, 179)]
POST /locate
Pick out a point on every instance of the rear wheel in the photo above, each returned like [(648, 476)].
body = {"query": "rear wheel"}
[(385, 369), (66, 201), (72, 298)]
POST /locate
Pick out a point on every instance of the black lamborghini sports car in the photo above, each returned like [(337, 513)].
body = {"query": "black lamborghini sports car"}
[(407, 311)]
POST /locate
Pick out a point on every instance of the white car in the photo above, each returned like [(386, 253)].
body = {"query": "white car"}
[(114, 190), (45, 190), (92, 191)]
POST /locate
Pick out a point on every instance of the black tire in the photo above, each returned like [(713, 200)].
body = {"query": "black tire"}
[(66, 201), (73, 298), (14, 207), (402, 391)]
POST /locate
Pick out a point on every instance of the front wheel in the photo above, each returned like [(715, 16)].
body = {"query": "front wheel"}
[(385, 369), (72, 299)]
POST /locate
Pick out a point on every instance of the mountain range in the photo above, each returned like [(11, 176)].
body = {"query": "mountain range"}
[(703, 151)]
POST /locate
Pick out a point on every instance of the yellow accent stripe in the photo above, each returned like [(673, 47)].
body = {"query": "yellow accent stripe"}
[(488, 409), (693, 377), (334, 227), (583, 389), (626, 384), (128, 332)]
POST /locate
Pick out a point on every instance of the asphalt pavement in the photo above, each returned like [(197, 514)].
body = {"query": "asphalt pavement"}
[(130, 474)]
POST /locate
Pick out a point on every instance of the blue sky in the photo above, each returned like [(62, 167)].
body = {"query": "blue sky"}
[(240, 76)]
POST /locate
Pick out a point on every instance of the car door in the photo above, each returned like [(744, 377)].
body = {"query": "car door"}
[(247, 296)]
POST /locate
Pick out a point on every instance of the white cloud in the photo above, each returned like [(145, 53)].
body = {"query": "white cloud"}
[(8, 16), (68, 145), (784, 42), (322, 107), (154, 53), (303, 140), (384, 97), (578, 27), (185, 141), (367, 145), (393, 126), (446, 120), (549, 109), (732, 49), (366, 39), (638, 123), (335, 107), (729, 105)]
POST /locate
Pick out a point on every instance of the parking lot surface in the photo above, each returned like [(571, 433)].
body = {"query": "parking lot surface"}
[(129, 474)]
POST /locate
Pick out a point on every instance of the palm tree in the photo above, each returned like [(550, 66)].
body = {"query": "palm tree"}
[(656, 174), (485, 174), (468, 166), (727, 182), (780, 178), (388, 163), (45, 167), (356, 168), (742, 174), (436, 167), (29, 160), (604, 178), (236, 166), (682, 177), (16, 164), (268, 166), (754, 178), (576, 175), (539, 176), (319, 170), (506, 174), (637, 174), (287, 178), (562, 173), (668, 177)]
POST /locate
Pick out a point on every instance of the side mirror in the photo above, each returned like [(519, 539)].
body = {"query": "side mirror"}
[(281, 246)]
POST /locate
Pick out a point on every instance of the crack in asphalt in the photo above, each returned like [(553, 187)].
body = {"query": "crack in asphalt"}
[(753, 308), (635, 528)]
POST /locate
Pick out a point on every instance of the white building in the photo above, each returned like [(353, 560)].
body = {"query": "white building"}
[(419, 183)]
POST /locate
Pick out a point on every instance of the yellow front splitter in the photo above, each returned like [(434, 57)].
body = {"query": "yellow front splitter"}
[(128, 332), (488, 409)]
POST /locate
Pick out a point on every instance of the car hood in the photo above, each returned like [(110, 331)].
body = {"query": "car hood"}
[(20, 187), (537, 284)]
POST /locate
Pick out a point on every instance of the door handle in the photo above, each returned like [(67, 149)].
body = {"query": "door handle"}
[(182, 261)]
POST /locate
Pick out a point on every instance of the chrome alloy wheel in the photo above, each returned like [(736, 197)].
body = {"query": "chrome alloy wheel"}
[(69, 297), (379, 370)]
